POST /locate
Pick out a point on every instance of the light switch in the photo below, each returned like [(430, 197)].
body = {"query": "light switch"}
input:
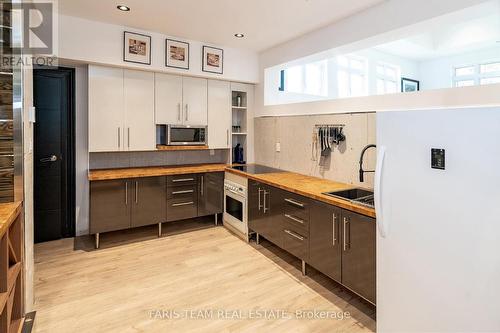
[(278, 147)]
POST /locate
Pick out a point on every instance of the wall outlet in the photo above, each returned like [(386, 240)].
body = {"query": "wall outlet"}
[(212, 152), (278, 147)]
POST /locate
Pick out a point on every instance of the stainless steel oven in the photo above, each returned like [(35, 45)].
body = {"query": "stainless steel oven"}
[(180, 135), (235, 207)]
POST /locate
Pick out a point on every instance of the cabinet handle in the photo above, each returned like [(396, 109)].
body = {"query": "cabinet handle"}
[(346, 244), (179, 111), (294, 235), (182, 204), (136, 192), (265, 194), (202, 184), (119, 139), (260, 205), (293, 218), (182, 180), (183, 192), (187, 110), (128, 137), (334, 229), (126, 193), (295, 203)]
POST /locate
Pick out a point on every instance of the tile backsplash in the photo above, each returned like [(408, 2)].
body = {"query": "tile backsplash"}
[(295, 137), (155, 158)]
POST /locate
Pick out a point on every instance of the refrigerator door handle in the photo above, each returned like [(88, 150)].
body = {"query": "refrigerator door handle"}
[(381, 221)]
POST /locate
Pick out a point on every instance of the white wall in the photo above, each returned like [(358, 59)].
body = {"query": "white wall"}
[(438, 73), (102, 43), (81, 151), (29, 261)]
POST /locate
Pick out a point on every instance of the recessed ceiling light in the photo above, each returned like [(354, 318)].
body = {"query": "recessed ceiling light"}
[(123, 8), (239, 35)]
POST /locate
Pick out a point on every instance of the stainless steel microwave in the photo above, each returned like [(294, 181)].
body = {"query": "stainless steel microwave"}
[(179, 135)]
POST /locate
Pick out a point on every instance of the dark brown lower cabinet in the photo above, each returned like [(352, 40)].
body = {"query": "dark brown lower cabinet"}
[(121, 204), (149, 204), (211, 193), (182, 198), (265, 206), (109, 205), (359, 254), (325, 242)]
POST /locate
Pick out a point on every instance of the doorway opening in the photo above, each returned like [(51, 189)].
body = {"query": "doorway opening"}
[(54, 153)]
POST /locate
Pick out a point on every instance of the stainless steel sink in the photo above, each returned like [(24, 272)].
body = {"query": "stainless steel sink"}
[(356, 195)]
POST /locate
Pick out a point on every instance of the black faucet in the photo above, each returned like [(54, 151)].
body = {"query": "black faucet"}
[(361, 171)]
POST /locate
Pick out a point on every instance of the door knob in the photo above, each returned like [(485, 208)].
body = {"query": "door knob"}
[(52, 158)]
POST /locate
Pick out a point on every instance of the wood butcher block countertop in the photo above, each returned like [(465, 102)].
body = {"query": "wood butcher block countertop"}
[(109, 174), (8, 214), (312, 187)]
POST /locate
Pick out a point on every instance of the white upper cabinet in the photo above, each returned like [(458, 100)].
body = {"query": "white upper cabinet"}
[(195, 101), (139, 93), (106, 104), (180, 100), (168, 99), (121, 110), (219, 114)]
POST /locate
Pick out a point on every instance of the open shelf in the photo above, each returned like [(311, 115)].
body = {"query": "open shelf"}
[(11, 286), (239, 122)]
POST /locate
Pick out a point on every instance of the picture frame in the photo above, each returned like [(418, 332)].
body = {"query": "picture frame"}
[(409, 85), (176, 54), (136, 48), (212, 60)]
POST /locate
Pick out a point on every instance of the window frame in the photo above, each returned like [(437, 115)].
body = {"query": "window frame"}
[(477, 77), (353, 71), (385, 78), (303, 82)]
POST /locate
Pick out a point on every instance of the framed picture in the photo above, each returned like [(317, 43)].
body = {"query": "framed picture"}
[(136, 48), (409, 85), (213, 60), (176, 54)]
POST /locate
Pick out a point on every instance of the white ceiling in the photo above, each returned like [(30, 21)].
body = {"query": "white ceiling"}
[(472, 29), (265, 23)]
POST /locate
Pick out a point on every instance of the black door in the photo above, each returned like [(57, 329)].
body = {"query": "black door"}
[(53, 91)]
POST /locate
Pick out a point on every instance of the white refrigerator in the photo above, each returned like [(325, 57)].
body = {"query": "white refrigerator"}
[(437, 196)]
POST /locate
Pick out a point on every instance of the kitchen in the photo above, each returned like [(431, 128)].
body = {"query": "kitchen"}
[(164, 176)]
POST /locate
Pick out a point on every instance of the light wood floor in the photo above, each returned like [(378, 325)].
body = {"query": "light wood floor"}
[(114, 289)]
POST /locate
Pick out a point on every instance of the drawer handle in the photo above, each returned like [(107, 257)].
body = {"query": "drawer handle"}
[(293, 218), (294, 235), (183, 192), (295, 203), (182, 180), (182, 204)]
